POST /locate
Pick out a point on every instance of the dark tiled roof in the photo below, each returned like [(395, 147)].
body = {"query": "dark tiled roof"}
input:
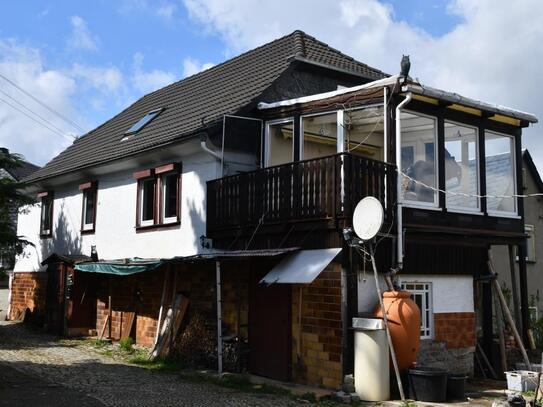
[(23, 171), (223, 89)]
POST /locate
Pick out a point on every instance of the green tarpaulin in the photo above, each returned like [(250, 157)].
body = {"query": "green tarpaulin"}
[(120, 268)]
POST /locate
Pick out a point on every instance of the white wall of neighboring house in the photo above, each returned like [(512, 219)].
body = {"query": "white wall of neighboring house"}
[(450, 293), (115, 235)]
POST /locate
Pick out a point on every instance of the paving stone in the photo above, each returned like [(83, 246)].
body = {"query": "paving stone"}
[(110, 381)]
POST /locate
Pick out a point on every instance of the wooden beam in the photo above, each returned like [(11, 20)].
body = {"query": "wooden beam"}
[(523, 283), (162, 302), (109, 316), (143, 173), (514, 287), (507, 313)]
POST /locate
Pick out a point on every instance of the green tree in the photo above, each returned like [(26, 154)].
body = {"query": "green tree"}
[(12, 201)]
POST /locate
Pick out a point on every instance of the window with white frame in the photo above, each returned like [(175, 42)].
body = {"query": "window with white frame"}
[(419, 159), (88, 215), (46, 216), (319, 135), (422, 295), (279, 142), (170, 197), (500, 173), (147, 201), (159, 196), (461, 167)]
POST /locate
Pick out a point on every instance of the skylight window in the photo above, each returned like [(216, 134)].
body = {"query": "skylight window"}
[(144, 121)]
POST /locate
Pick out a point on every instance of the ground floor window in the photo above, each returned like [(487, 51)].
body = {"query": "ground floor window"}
[(422, 295)]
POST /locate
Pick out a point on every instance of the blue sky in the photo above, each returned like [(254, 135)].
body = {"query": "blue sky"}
[(91, 59)]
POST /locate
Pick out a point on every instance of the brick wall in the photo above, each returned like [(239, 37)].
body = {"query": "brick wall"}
[(316, 353), (28, 291), (456, 329), (123, 300), (196, 282)]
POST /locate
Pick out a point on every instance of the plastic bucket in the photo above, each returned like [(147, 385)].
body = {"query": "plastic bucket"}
[(456, 387), (428, 384)]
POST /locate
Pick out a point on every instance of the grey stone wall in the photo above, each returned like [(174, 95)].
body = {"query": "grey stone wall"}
[(435, 354)]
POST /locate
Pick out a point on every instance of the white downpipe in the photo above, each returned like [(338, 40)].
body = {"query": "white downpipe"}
[(217, 156), (219, 318), (210, 151), (399, 179)]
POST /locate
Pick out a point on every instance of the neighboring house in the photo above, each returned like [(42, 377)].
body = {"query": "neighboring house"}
[(533, 219), (248, 172), (15, 174)]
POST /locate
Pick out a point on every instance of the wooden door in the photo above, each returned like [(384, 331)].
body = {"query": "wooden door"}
[(81, 306), (55, 301), (269, 329)]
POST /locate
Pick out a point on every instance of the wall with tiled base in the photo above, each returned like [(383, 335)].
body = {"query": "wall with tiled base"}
[(316, 343)]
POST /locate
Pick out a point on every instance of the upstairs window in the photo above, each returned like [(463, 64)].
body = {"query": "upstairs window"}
[(158, 198), (147, 201), (461, 167), (419, 160), (140, 124), (500, 173), (46, 218), (279, 142), (319, 135), (169, 197), (88, 213)]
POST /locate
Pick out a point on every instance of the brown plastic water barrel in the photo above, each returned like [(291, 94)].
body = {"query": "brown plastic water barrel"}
[(404, 324)]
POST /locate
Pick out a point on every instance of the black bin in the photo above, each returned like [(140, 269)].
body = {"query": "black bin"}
[(456, 387), (428, 384)]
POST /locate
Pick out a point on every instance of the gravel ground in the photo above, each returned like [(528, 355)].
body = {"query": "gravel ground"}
[(87, 373)]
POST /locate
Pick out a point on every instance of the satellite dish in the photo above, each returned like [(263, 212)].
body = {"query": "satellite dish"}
[(368, 218)]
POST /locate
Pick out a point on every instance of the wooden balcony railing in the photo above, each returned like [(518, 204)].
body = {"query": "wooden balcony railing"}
[(314, 189)]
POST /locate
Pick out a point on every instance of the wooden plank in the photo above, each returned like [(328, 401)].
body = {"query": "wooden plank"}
[(128, 321), (500, 328), (172, 323), (103, 330)]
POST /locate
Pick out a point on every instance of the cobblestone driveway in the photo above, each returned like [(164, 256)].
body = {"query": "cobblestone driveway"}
[(110, 382)]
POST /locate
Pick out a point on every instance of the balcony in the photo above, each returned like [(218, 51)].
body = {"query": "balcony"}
[(324, 191)]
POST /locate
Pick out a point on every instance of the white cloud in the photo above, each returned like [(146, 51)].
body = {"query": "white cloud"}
[(192, 66), (164, 9), (81, 38), (493, 53), (105, 79), (24, 66), (148, 81)]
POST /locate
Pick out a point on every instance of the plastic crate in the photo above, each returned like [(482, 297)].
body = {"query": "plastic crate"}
[(522, 380)]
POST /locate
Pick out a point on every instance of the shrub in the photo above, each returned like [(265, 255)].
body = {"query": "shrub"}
[(126, 344)]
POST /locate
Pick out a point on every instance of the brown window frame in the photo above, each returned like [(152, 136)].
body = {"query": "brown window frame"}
[(46, 196), (156, 175), (86, 188)]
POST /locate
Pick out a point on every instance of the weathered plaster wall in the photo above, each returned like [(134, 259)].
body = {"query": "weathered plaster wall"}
[(115, 235)]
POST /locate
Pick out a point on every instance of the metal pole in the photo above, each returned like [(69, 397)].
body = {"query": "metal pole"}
[(399, 214), (383, 310), (219, 318)]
